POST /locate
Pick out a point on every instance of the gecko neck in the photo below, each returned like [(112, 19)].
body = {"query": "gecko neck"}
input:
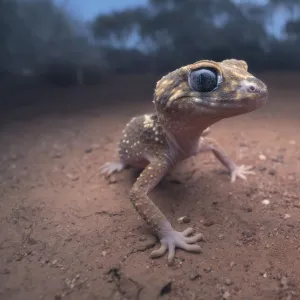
[(184, 134)]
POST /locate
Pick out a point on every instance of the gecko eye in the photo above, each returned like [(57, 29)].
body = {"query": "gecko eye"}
[(203, 80)]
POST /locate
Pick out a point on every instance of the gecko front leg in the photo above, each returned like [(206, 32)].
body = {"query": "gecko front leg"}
[(209, 144), (169, 238)]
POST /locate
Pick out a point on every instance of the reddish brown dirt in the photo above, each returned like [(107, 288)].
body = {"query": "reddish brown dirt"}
[(67, 233)]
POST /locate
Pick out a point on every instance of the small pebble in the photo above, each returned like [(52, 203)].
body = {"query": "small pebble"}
[(236, 288), (278, 159), (297, 204), (184, 220), (72, 177), (284, 281), (88, 150), (228, 281), (221, 236), (286, 216), (208, 222), (104, 253), (194, 275), (57, 155), (262, 157), (265, 202), (261, 168), (207, 269), (238, 243), (226, 295), (112, 180)]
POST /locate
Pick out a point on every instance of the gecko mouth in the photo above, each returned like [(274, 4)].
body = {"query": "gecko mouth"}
[(224, 103), (246, 103)]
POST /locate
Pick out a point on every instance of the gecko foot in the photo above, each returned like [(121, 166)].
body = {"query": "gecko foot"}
[(175, 239), (241, 172), (111, 167)]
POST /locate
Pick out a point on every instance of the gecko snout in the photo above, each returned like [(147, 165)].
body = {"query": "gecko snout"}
[(252, 89), (255, 86), (259, 88), (255, 93)]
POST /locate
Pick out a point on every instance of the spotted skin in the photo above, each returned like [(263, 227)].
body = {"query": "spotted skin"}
[(143, 138), (176, 131)]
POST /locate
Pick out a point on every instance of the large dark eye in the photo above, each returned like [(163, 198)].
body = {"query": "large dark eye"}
[(203, 80)]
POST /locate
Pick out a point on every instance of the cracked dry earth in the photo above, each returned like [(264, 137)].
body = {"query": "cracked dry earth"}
[(67, 233)]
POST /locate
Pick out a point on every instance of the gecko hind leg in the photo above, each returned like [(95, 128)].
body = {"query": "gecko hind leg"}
[(112, 167)]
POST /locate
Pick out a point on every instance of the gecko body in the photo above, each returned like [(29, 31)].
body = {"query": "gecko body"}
[(187, 101)]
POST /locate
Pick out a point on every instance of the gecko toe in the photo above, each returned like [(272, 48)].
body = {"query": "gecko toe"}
[(187, 231), (190, 248), (159, 252), (175, 239), (196, 238), (111, 167), (241, 172), (171, 254)]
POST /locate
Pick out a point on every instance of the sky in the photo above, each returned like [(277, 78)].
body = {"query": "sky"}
[(88, 9)]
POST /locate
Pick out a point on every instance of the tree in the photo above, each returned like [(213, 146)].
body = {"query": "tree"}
[(213, 29)]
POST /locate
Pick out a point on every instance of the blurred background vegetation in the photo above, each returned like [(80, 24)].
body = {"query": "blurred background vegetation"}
[(42, 42)]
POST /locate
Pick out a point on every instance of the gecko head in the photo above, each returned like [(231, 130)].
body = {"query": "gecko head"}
[(219, 89)]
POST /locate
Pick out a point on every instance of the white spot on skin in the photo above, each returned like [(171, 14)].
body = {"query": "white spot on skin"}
[(148, 122)]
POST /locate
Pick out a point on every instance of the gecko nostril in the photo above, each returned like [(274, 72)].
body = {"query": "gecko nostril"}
[(252, 89)]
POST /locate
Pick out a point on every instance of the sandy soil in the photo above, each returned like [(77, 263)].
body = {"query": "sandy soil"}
[(67, 233)]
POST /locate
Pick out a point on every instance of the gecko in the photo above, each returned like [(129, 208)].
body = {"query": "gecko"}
[(187, 101)]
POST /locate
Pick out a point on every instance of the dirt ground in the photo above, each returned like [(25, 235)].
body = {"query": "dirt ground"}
[(67, 233)]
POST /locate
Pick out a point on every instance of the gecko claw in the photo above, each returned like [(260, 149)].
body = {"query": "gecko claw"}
[(175, 239), (241, 172), (111, 167)]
